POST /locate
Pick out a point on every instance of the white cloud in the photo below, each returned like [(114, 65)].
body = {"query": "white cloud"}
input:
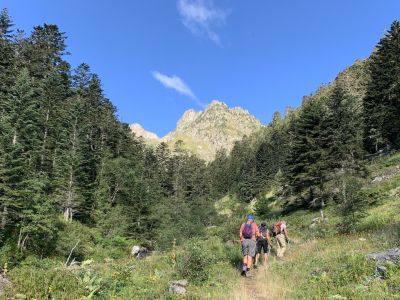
[(175, 83), (201, 16)]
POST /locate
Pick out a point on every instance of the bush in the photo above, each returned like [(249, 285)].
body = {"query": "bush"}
[(41, 282), (69, 237), (198, 257)]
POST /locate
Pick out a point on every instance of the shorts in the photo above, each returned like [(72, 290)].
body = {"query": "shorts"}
[(249, 247), (262, 245)]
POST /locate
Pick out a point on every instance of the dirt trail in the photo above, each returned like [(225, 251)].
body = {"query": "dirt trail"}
[(262, 286)]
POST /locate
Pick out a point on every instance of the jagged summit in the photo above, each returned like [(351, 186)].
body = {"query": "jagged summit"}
[(205, 132), (139, 131), (217, 127)]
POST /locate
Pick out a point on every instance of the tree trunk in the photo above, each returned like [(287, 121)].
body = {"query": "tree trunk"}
[(4, 217), (46, 129)]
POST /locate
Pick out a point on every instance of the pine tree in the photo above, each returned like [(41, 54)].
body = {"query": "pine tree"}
[(309, 162), (382, 104)]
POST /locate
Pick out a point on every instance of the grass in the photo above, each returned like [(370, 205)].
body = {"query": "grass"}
[(320, 264)]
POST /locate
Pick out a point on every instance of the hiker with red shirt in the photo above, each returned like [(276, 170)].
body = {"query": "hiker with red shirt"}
[(248, 234)]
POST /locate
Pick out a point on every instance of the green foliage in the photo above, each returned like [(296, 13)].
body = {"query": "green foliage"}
[(261, 207), (381, 105), (352, 203), (198, 257), (73, 233)]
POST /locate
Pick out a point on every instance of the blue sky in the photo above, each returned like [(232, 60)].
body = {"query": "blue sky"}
[(158, 58)]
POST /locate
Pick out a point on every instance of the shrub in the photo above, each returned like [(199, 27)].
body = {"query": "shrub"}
[(69, 237), (198, 257)]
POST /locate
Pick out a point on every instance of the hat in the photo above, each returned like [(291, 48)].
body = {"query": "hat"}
[(250, 218)]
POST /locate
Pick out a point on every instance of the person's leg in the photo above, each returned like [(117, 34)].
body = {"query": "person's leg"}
[(265, 250), (259, 246), (278, 247), (245, 251), (252, 253), (249, 262), (281, 245)]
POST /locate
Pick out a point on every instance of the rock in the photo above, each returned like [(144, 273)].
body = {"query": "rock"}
[(178, 287), (391, 255), (135, 250), (380, 271), (144, 252), (337, 297), (378, 179), (140, 252), (4, 282)]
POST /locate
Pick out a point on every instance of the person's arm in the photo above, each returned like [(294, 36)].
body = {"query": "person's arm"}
[(285, 232), (257, 234), (269, 239), (241, 233)]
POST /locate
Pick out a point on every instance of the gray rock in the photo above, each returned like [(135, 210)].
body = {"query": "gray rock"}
[(178, 287), (140, 252), (380, 271), (143, 253), (135, 250), (391, 255), (4, 282), (182, 282), (337, 297)]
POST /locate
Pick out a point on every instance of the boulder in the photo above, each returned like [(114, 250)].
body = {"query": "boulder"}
[(380, 271), (140, 252), (4, 282), (178, 287), (391, 255), (135, 250), (144, 252)]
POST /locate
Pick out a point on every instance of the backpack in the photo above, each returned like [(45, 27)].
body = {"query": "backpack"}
[(263, 231), (248, 230), (276, 228)]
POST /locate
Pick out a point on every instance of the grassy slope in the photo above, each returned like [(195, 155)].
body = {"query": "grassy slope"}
[(319, 264)]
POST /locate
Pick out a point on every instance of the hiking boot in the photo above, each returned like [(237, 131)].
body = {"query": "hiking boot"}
[(248, 274), (243, 273)]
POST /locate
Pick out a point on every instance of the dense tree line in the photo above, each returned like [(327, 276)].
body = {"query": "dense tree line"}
[(310, 154), (65, 157)]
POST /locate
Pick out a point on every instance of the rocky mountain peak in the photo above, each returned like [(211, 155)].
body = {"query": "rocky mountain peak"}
[(218, 126), (139, 131), (205, 132)]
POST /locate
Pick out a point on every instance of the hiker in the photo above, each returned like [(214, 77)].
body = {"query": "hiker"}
[(279, 231), (248, 234), (263, 243)]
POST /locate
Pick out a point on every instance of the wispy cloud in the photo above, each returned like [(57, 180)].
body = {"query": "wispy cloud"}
[(176, 83), (201, 17)]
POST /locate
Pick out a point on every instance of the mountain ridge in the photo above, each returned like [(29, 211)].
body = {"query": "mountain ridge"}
[(205, 132)]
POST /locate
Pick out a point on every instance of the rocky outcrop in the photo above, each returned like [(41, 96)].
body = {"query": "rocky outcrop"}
[(383, 259), (178, 287), (391, 255), (205, 132), (147, 136), (217, 127)]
